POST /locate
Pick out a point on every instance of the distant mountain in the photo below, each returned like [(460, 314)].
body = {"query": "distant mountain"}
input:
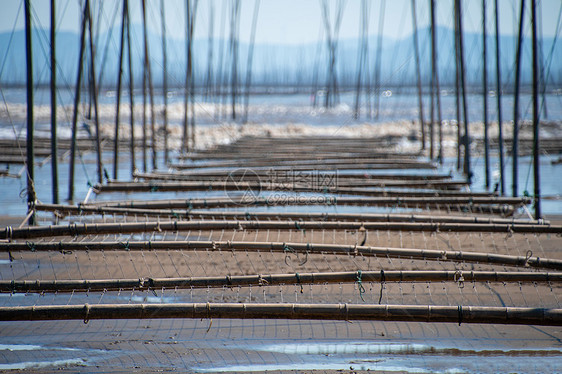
[(272, 64)]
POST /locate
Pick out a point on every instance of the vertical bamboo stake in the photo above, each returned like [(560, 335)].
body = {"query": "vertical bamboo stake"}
[(164, 80), (148, 76), (185, 135), (72, 160), (95, 95), (418, 73), (131, 88), (119, 82), (485, 97), (536, 163), (378, 60), (54, 159), (457, 88), (249, 61), (432, 88), (467, 171), (30, 159), (515, 141), (364, 31), (499, 96)]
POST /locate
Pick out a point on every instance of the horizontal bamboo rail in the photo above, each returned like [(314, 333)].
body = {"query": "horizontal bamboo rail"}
[(459, 277), (282, 155), (259, 186), (135, 227), (290, 180), (317, 200), (216, 174), (61, 210), (342, 312), (388, 165), (290, 249)]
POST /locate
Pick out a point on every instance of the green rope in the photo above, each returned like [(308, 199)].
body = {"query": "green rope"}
[(31, 246), (299, 281), (360, 285)]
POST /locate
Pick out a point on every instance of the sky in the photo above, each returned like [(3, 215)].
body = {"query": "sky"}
[(282, 21)]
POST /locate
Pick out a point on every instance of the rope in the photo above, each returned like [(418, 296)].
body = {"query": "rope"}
[(360, 285), (382, 285), (299, 281)]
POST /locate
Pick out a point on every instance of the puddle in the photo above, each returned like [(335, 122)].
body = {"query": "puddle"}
[(393, 357), (31, 347), (153, 299), (396, 348), (43, 364), (318, 366), (33, 356)]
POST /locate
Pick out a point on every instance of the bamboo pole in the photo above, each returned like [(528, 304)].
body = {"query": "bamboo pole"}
[(164, 80), (188, 35), (30, 125), (342, 312), (324, 179), (298, 216), (499, 97), (54, 158), (514, 149), (119, 83), (387, 165), (148, 283), (359, 176), (292, 249), (418, 74), (466, 167), (319, 186), (485, 98), (93, 83), (457, 88), (504, 205), (72, 160), (298, 225), (536, 145), (131, 89), (148, 77)]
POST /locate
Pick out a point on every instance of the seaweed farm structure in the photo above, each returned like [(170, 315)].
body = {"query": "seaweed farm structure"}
[(269, 251)]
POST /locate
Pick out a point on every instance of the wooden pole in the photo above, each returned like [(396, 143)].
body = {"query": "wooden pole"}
[(485, 97), (342, 312), (72, 160), (149, 283), (499, 97), (118, 102), (418, 74), (536, 154), (54, 157), (515, 141)]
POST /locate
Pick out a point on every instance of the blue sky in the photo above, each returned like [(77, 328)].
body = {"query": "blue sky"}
[(282, 21)]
